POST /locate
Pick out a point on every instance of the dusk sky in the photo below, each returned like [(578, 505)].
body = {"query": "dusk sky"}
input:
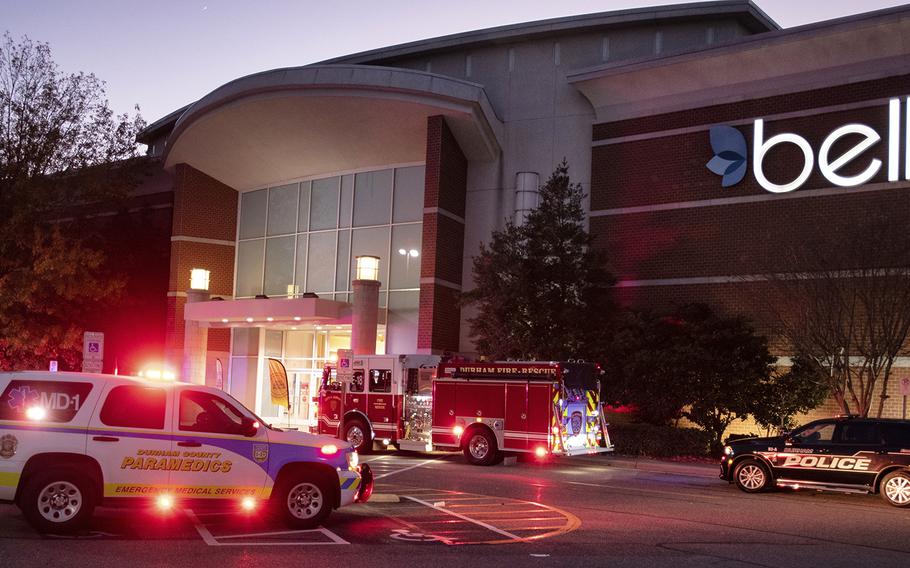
[(166, 53)]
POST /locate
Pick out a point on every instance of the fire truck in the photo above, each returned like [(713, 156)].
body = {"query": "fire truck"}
[(417, 402)]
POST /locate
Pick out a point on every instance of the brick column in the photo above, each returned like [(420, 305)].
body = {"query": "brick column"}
[(443, 240), (203, 236)]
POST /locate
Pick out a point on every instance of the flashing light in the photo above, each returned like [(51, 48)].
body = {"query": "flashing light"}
[(540, 452), (478, 419), (248, 504), (386, 441), (164, 502), (36, 413), (458, 431), (157, 374), (556, 429), (329, 449)]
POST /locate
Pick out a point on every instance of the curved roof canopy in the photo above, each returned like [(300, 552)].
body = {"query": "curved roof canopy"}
[(321, 119)]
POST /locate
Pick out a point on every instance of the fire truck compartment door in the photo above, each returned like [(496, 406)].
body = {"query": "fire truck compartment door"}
[(516, 426)]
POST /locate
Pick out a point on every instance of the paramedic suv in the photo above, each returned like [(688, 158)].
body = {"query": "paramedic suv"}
[(849, 455), (71, 441)]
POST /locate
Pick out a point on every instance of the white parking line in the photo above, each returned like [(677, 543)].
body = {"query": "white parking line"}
[(464, 518), (212, 540), (421, 464)]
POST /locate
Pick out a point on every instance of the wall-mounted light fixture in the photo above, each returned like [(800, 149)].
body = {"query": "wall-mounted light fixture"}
[(199, 279)]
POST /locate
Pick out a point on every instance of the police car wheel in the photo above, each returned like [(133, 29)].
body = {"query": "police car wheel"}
[(752, 476), (895, 489), (480, 447), (58, 501), (305, 502), (358, 434)]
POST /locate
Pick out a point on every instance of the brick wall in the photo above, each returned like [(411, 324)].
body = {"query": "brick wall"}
[(205, 210), (661, 173), (443, 240)]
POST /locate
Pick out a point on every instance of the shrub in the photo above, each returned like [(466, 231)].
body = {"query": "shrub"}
[(658, 441)]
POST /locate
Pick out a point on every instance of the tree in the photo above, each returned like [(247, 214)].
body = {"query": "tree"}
[(541, 289), (61, 149), (842, 298), (798, 388), (689, 363)]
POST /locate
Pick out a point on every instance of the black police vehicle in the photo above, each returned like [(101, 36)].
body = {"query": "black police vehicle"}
[(846, 454)]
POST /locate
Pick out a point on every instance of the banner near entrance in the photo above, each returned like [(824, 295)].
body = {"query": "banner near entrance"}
[(278, 378), (219, 374), (92, 352)]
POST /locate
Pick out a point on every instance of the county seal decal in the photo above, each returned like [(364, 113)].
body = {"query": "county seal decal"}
[(8, 445), (260, 453)]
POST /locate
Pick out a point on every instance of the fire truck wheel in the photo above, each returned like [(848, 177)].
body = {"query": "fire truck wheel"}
[(358, 433), (480, 447)]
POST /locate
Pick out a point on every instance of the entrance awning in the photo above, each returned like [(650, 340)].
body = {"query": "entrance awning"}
[(292, 123), (278, 312)]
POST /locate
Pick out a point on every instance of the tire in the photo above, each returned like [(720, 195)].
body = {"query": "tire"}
[(358, 433), (480, 447), (304, 501), (58, 501), (752, 476), (895, 488)]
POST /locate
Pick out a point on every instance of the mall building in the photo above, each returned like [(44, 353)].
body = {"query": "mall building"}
[(415, 153)]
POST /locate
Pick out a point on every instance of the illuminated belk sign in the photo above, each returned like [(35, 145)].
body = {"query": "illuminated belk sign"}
[(730, 153)]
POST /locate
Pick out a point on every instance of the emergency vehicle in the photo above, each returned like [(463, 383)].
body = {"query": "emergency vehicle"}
[(72, 441), (417, 402), (844, 454)]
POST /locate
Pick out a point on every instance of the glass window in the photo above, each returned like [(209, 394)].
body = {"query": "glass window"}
[(896, 434), (283, 210), (205, 412), (249, 267), (274, 340), (299, 344), (374, 241), (409, 184), (404, 271), (252, 214), (820, 432), (134, 407), (402, 321), (347, 200), (380, 380), (321, 262), (300, 270), (279, 265), (356, 381), (344, 257), (373, 198), (324, 204), (63, 399), (303, 214), (859, 433)]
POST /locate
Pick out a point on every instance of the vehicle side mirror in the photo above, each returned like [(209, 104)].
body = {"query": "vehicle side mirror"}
[(249, 427)]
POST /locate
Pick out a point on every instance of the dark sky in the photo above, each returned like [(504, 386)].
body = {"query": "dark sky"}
[(163, 54)]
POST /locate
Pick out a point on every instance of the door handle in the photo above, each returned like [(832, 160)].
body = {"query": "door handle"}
[(188, 444), (105, 439)]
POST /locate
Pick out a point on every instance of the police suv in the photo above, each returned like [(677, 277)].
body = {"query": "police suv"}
[(845, 454), (71, 441)]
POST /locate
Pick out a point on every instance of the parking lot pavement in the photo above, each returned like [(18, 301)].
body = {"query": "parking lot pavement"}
[(435, 509)]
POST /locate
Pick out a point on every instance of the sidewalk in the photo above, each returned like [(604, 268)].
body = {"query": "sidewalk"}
[(649, 464)]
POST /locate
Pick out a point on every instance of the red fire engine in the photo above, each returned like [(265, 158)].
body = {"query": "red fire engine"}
[(418, 403)]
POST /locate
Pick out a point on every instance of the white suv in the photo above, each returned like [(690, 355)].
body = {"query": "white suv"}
[(73, 441)]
